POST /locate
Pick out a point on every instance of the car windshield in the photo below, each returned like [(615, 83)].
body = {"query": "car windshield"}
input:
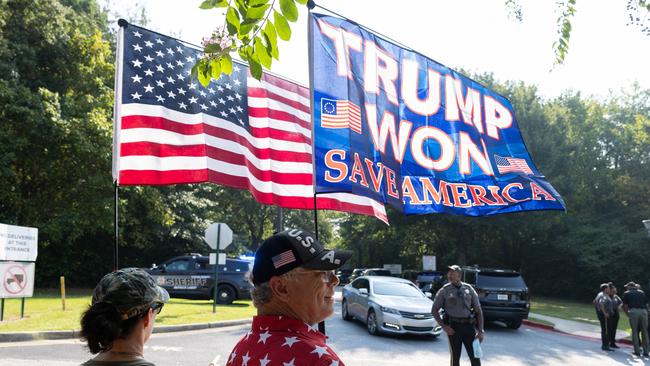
[(395, 289), (498, 279), (380, 272)]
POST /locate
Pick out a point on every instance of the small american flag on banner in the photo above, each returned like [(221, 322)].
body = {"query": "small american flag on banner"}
[(238, 132), (340, 114), (512, 165), (283, 258)]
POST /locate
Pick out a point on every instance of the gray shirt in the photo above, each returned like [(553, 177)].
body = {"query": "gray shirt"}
[(458, 302)]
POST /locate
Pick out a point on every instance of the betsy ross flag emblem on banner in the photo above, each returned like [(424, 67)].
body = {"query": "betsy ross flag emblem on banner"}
[(238, 132), (512, 165), (340, 114)]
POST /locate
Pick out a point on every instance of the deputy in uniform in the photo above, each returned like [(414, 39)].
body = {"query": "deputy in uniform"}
[(464, 318)]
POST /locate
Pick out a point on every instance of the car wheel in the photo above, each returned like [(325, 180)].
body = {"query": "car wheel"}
[(371, 323), (514, 324), (344, 310), (225, 294)]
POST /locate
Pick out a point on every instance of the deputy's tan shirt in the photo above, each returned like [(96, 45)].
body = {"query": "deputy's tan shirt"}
[(457, 301)]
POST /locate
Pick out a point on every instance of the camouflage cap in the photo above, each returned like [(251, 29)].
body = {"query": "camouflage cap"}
[(130, 291)]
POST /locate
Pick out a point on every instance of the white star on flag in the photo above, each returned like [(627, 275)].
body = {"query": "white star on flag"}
[(159, 68), (181, 91), (334, 363), (137, 34), (171, 94), (193, 100), (137, 63), (136, 47), (290, 363), (160, 99), (289, 341), (160, 83), (159, 41), (320, 350), (232, 357), (136, 78), (136, 95), (148, 58), (244, 359), (204, 107), (264, 361), (148, 44), (148, 72), (148, 88), (263, 337), (182, 105), (160, 54)]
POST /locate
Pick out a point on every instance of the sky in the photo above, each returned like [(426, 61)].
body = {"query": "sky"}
[(476, 35)]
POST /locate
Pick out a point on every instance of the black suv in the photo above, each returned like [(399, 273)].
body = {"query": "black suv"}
[(503, 294), (191, 276)]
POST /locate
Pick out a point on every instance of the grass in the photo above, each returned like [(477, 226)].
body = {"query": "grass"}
[(572, 310), (540, 321), (44, 312)]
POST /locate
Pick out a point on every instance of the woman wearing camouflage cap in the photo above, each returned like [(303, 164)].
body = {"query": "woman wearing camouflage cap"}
[(120, 318)]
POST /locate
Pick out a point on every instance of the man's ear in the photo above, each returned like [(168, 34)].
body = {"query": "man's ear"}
[(279, 288), (148, 317)]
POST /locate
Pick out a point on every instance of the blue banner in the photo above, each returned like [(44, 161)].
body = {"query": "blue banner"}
[(403, 129)]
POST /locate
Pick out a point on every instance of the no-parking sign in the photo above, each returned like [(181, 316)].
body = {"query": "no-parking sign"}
[(17, 279)]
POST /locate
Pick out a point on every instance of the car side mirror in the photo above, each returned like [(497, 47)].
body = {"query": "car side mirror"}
[(363, 291), (163, 268), (428, 294)]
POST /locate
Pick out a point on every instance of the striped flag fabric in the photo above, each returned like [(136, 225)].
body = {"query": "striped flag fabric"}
[(512, 165), (238, 132), (340, 114), (283, 258)]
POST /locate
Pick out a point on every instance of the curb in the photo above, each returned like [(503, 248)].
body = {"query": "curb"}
[(552, 328), (70, 334)]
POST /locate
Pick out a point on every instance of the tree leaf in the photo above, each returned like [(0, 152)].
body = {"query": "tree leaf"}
[(215, 68), (212, 48), (204, 73), (257, 12), (282, 26), (254, 3), (255, 67), (289, 10), (232, 20), (246, 27), (226, 64), (302, 2), (271, 38), (262, 53), (210, 4)]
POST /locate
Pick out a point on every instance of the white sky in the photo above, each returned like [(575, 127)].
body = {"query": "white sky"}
[(475, 35)]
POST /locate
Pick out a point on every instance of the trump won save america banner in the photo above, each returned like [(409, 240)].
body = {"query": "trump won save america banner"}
[(238, 132), (403, 129)]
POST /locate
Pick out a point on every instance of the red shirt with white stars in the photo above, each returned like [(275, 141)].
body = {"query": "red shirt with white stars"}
[(282, 341)]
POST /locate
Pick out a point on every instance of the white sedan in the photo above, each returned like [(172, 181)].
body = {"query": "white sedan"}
[(389, 305)]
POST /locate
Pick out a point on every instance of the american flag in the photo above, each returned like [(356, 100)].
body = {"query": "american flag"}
[(340, 114), (238, 132), (283, 258), (512, 165)]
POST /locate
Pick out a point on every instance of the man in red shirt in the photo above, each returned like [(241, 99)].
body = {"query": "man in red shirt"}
[(293, 288)]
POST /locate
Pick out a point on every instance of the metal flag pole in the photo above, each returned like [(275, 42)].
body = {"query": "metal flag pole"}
[(116, 135), (310, 5), (117, 228)]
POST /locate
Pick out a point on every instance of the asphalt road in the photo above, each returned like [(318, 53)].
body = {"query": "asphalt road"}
[(527, 346)]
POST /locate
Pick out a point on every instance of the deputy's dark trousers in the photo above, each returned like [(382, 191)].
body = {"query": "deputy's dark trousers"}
[(613, 324), (463, 334), (604, 328)]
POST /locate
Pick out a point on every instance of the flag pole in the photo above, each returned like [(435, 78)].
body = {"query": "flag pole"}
[(116, 136), (311, 5), (117, 228)]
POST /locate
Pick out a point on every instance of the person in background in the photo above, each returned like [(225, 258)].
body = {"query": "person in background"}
[(603, 305), (464, 316), (120, 318), (616, 305), (635, 305)]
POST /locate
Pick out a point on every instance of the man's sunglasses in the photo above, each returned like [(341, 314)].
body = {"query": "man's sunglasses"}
[(157, 307)]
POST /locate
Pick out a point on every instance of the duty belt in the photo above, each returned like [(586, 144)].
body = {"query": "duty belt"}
[(462, 320)]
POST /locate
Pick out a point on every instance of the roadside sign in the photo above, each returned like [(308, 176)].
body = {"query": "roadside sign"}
[(222, 259), (428, 262), (17, 279), (646, 223), (218, 231), (18, 243)]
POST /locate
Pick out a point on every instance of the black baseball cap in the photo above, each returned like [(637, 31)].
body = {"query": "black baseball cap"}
[(291, 249)]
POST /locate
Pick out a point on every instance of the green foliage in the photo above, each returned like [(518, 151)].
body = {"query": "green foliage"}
[(259, 48)]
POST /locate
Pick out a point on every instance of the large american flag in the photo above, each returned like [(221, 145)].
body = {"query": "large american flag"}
[(238, 132)]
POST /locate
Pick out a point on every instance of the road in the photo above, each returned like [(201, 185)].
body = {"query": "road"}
[(527, 346)]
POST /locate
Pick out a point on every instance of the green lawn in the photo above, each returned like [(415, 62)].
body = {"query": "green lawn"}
[(572, 310), (44, 312)]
